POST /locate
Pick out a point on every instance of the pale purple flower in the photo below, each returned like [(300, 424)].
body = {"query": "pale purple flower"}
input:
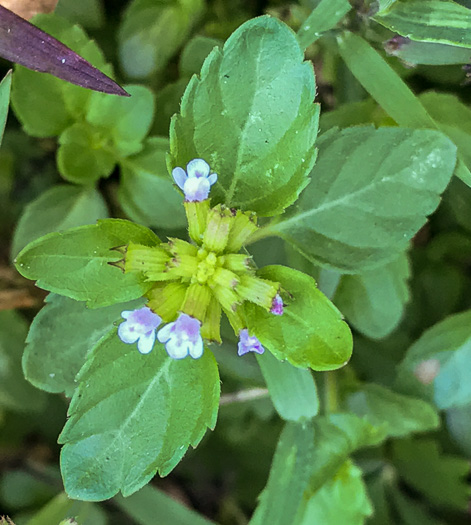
[(248, 343), (140, 326), (196, 181), (277, 305), (182, 338)]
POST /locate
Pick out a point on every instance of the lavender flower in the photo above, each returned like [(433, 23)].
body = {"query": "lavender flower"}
[(196, 181), (249, 343), (277, 305), (182, 338), (140, 326)]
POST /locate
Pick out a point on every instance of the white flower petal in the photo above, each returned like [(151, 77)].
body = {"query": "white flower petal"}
[(126, 313), (196, 189), (197, 349), (164, 334), (146, 342), (127, 334), (197, 168), (175, 350), (179, 176), (212, 178)]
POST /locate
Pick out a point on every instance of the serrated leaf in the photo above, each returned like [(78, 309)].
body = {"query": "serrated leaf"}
[(76, 263), (151, 32), (429, 21), (448, 345), (251, 117), (54, 355), (133, 415), (402, 415), (439, 477), (342, 499), (371, 191), (302, 402), (15, 392), (146, 191), (59, 208), (326, 341), (5, 86), (373, 301)]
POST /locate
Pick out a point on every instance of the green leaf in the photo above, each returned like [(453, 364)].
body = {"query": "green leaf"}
[(57, 209), (426, 53), (302, 402), (15, 392), (87, 13), (151, 32), (343, 499), (388, 88), (54, 355), (289, 476), (5, 86), (429, 21), (325, 16), (458, 421), (410, 511), (373, 301), (195, 53), (167, 101), (401, 415), (251, 117), (447, 345), (150, 506), (145, 182), (439, 477), (371, 191), (80, 158), (76, 263), (46, 105), (326, 342), (132, 415)]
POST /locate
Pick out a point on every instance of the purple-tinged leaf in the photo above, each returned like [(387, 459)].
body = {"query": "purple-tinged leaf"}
[(25, 44)]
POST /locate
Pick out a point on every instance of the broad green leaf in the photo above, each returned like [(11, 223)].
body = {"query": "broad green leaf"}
[(53, 104), (429, 21), (388, 89), (251, 117), (195, 53), (150, 506), (446, 346), (5, 86), (373, 301), (325, 16), (80, 157), (76, 263), (133, 415), (440, 477), (87, 13), (289, 476), (146, 192), (292, 390), (426, 53), (326, 341), (151, 32), (54, 355), (15, 392), (342, 499), (57, 209), (371, 191), (401, 415)]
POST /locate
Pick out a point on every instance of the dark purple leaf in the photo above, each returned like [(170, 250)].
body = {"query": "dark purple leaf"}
[(25, 44)]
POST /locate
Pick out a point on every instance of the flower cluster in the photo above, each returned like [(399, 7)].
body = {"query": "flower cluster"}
[(195, 282)]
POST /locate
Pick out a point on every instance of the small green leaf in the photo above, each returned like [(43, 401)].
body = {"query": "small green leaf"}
[(132, 415), (289, 476), (342, 499), (302, 402), (326, 340), (15, 392), (151, 32), (76, 263), (447, 345), (402, 415), (195, 53), (426, 53), (325, 16), (5, 86), (59, 208), (251, 117), (429, 21), (53, 355), (373, 301), (87, 13), (146, 191), (440, 477), (371, 191)]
